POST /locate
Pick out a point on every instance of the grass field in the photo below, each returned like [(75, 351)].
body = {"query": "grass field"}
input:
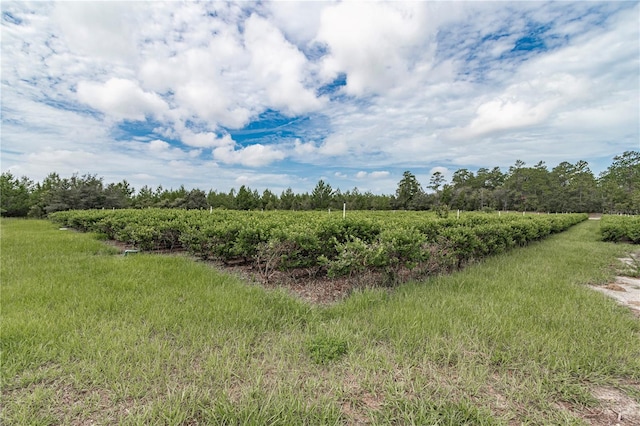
[(92, 337)]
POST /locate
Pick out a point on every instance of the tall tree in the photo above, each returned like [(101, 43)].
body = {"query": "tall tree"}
[(269, 200), (15, 195), (321, 195), (287, 199), (247, 199), (528, 186), (196, 199), (408, 190), (221, 200), (118, 195), (89, 190), (144, 198), (461, 178), (620, 184), (436, 181)]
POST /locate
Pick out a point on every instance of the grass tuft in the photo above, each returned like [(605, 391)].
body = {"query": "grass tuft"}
[(324, 349)]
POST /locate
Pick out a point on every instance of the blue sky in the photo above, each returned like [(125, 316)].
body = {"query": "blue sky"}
[(281, 94)]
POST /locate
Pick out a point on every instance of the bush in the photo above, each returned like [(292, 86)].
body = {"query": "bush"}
[(620, 228), (382, 244)]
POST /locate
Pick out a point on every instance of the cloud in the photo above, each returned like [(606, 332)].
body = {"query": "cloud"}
[(158, 146), (279, 67), (228, 78), (205, 139), (64, 157), (372, 175), (250, 156), (500, 115), (563, 103), (210, 102), (379, 174), (304, 149), (134, 89), (378, 45), (440, 169), (356, 36), (256, 178), (334, 146), (98, 29), (206, 82), (165, 151), (121, 99), (299, 21)]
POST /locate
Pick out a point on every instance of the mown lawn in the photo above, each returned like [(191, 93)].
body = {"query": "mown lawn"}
[(91, 336)]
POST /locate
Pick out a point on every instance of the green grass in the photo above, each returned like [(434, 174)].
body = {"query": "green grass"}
[(91, 336)]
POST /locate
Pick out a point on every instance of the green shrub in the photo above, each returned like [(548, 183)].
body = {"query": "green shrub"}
[(386, 244), (620, 228)]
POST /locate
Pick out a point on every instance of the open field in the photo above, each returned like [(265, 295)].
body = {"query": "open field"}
[(91, 337)]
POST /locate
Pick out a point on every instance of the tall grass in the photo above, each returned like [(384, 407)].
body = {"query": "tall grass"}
[(92, 336)]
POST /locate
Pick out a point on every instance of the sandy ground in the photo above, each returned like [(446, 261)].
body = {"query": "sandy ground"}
[(626, 290), (617, 408)]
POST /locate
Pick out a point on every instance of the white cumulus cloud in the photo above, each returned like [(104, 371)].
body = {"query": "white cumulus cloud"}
[(205, 139), (250, 156), (280, 67), (121, 99)]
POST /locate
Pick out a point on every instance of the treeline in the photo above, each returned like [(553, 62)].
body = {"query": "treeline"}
[(564, 188)]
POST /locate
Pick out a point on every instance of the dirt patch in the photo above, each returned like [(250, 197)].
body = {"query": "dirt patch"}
[(614, 287), (616, 408), (625, 290), (307, 284)]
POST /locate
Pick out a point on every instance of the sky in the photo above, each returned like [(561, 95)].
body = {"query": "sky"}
[(215, 95)]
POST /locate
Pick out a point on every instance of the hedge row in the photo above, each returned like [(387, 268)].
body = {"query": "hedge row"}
[(381, 242), (620, 228)]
